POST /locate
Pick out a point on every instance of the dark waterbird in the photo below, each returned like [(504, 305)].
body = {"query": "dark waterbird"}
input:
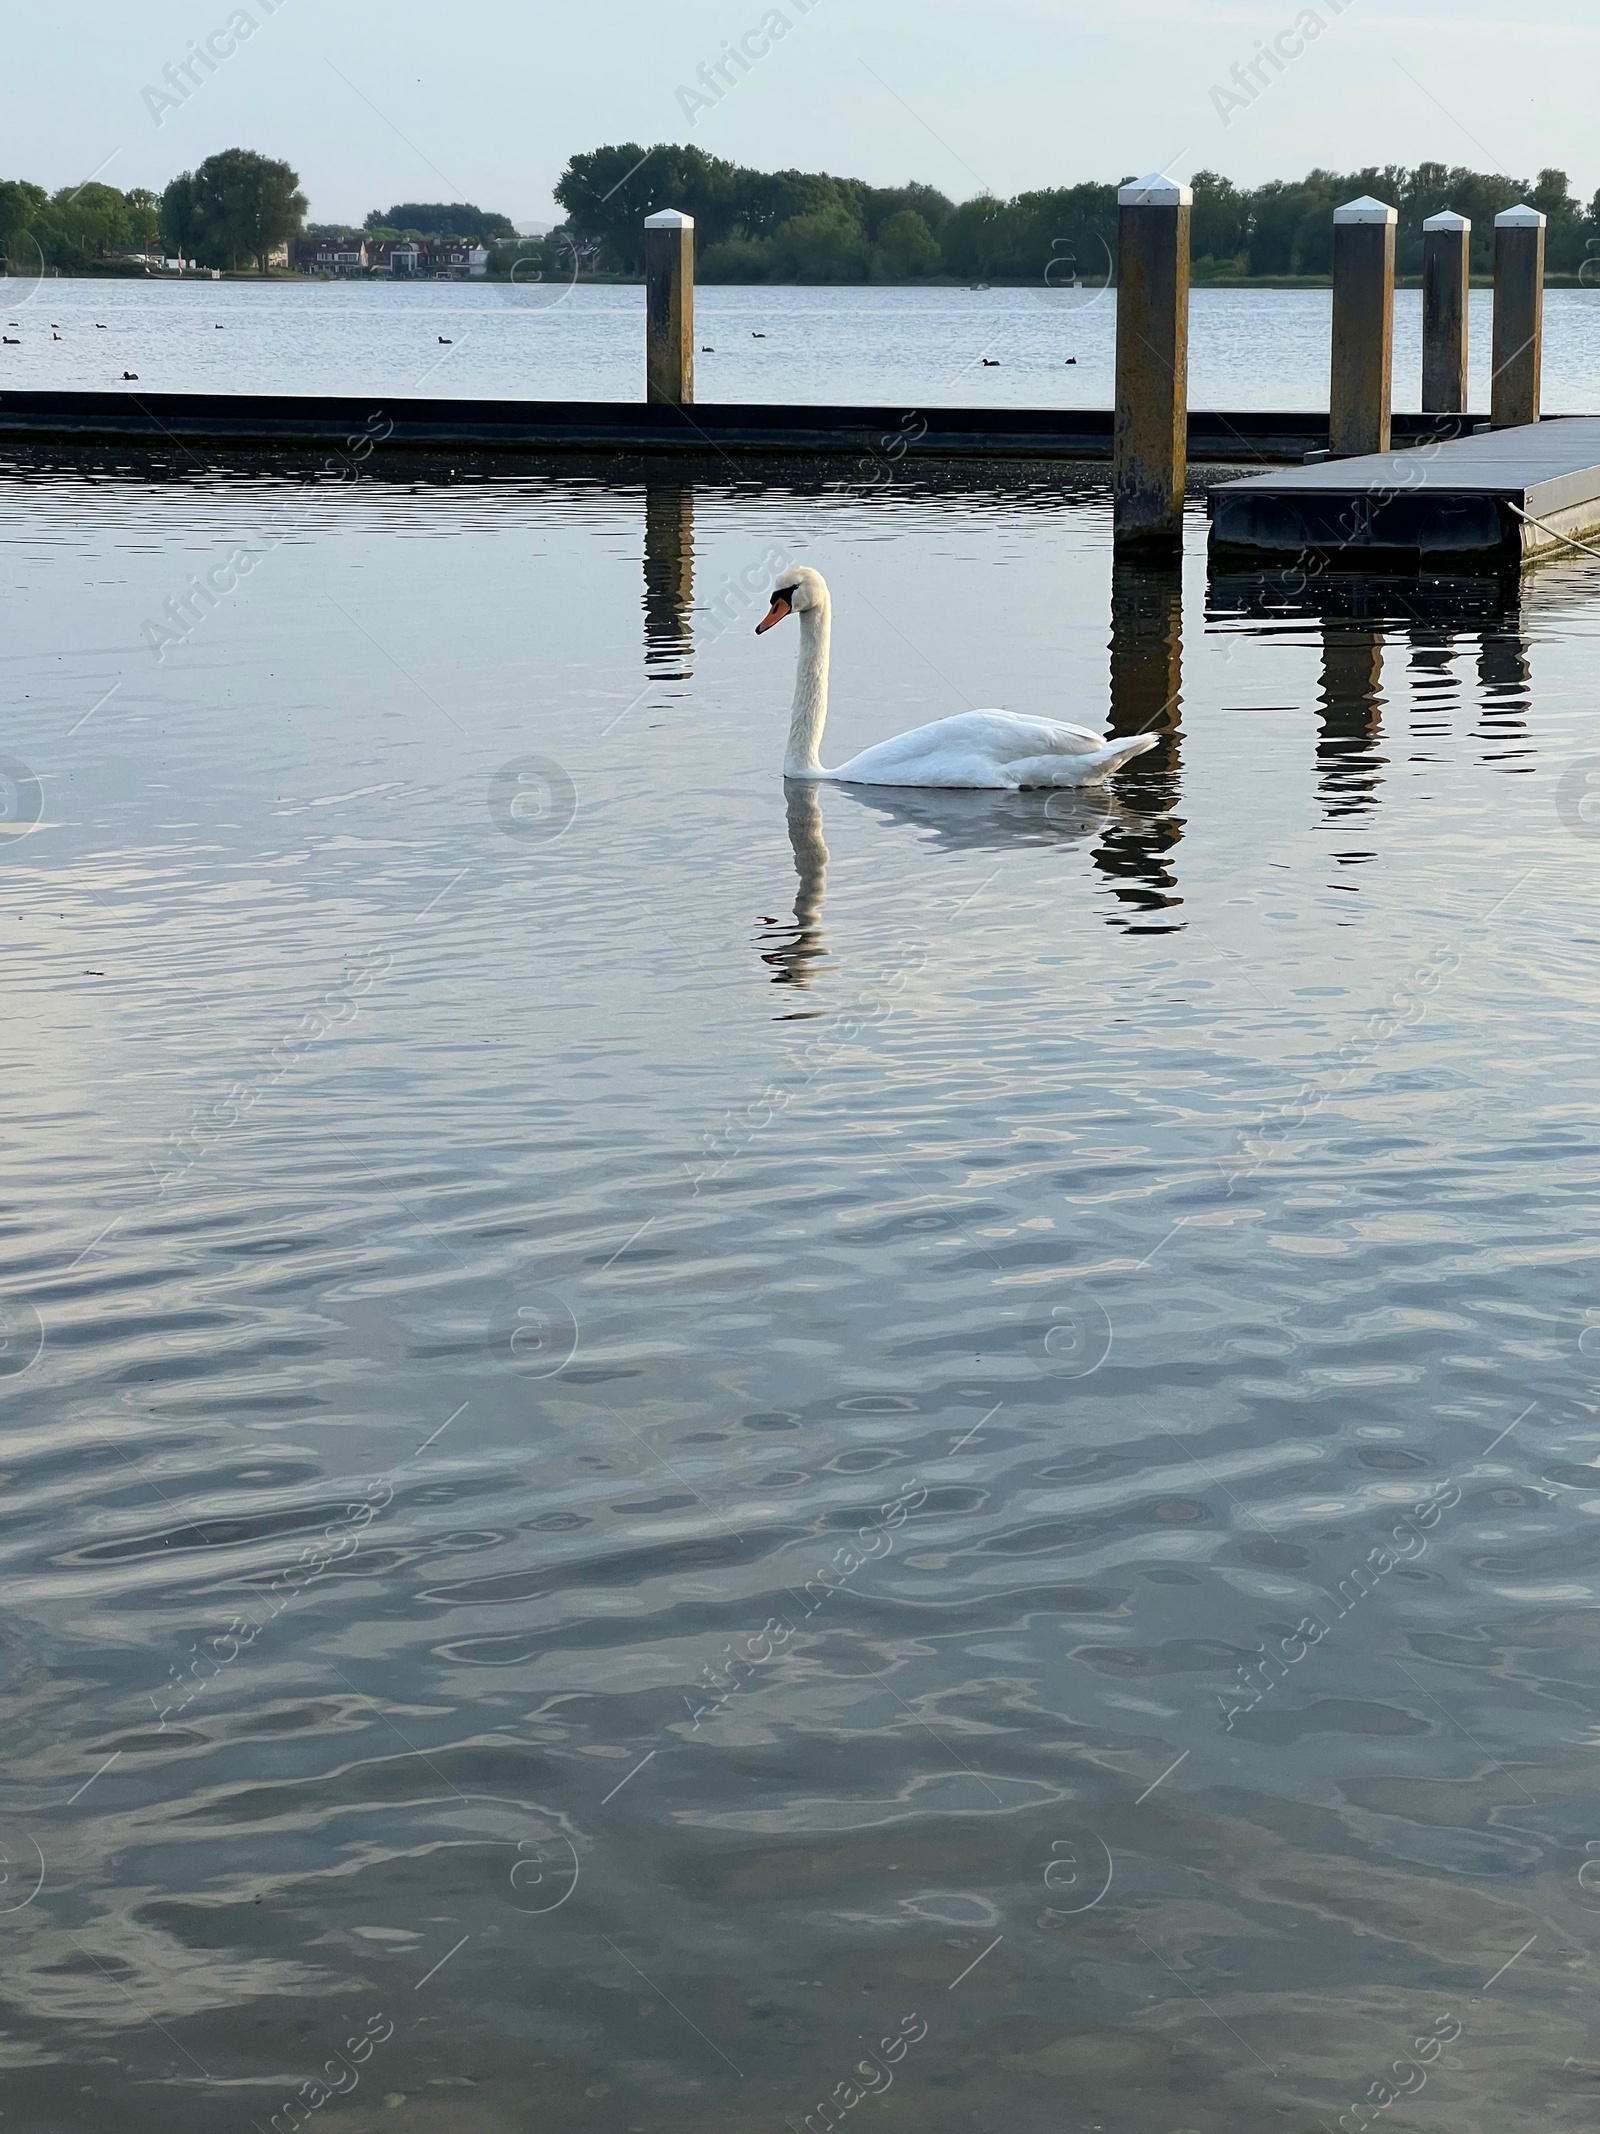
[(133, 374)]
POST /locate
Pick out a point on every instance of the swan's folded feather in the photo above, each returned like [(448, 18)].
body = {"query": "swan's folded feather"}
[(994, 749)]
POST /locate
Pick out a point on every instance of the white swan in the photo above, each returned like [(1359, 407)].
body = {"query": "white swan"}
[(1002, 750)]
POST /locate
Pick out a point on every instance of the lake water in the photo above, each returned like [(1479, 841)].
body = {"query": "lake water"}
[(1250, 348), (662, 1444)]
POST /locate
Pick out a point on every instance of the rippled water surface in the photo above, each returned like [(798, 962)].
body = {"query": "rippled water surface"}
[(1249, 348), (672, 1454)]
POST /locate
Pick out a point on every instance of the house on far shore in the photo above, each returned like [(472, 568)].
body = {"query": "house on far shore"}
[(451, 259), (342, 257)]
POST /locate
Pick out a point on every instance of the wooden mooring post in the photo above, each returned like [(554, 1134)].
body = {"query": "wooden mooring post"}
[(669, 307), (1446, 279), (1361, 385), (1150, 445), (1518, 317)]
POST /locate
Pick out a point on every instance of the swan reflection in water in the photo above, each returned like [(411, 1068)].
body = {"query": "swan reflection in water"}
[(994, 821), (793, 952), (961, 822)]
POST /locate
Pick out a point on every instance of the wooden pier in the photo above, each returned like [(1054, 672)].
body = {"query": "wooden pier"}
[(1374, 490), (176, 426), (1492, 500)]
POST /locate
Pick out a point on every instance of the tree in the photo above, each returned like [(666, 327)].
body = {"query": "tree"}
[(879, 202), (906, 249), (973, 236), (181, 229), (736, 259), (236, 205), (608, 192), (144, 218), (1566, 235), (826, 247), (1220, 219), (20, 205), (441, 218), (84, 224)]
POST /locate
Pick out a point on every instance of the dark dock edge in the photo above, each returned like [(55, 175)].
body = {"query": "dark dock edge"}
[(356, 427)]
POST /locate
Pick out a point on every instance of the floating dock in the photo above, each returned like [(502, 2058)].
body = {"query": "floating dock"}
[(879, 437), (1493, 501)]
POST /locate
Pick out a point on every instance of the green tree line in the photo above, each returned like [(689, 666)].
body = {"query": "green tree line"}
[(795, 226), (234, 210), (76, 229), (807, 226)]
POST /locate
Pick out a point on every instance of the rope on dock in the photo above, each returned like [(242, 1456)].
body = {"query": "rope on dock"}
[(1587, 547)]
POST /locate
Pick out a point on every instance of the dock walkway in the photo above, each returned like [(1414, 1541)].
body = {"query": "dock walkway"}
[(1492, 500)]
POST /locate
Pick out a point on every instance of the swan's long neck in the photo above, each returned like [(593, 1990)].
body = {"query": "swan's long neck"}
[(810, 711)]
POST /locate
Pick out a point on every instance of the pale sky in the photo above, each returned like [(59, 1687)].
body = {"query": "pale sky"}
[(484, 100)]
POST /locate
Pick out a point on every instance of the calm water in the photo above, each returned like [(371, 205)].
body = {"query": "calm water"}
[(653, 1436), (1250, 348)]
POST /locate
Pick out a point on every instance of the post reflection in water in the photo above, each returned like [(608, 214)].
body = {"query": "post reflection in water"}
[(1440, 617), (1435, 684), (1146, 697), (1350, 709), (1505, 683), (668, 581)]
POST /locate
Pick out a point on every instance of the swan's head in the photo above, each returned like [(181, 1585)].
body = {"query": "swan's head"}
[(796, 593)]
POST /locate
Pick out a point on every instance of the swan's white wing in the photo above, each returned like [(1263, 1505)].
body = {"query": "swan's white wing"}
[(976, 748)]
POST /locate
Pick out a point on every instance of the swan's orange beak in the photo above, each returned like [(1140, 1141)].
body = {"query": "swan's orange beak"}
[(779, 608)]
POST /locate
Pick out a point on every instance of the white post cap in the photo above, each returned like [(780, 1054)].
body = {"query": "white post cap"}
[(1449, 220), (1157, 190), (1522, 217), (669, 219), (1366, 209)]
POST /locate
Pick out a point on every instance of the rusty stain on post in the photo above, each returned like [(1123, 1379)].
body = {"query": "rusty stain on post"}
[(1361, 386), (1151, 430), (1518, 317), (1446, 279), (669, 307)]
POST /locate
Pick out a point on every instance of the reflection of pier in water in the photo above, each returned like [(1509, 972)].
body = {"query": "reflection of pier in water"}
[(1137, 851), (1350, 760), (1505, 681), (668, 581), (1441, 621)]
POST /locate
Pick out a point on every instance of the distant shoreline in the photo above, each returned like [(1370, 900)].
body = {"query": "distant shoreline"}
[(285, 277)]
